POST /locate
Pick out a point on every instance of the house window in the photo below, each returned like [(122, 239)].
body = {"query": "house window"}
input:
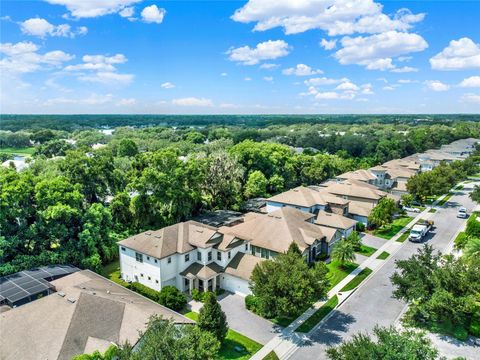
[(169, 260), (246, 247), (123, 249), (149, 278), (229, 254), (187, 257), (199, 256), (139, 257), (141, 275), (148, 257), (209, 256), (156, 281), (219, 256), (156, 261)]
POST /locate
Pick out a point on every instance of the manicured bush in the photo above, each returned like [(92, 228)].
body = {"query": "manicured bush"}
[(145, 291), (172, 298), (197, 295), (212, 318), (251, 302), (473, 226), (360, 227), (474, 328)]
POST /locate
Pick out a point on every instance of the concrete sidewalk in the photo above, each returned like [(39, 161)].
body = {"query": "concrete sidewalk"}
[(287, 341)]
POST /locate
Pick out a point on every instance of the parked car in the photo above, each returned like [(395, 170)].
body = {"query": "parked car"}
[(476, 342), (462, 213), (419, 230), (411, 209)]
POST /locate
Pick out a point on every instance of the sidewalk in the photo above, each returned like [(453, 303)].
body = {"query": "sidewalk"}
[(287, 341)]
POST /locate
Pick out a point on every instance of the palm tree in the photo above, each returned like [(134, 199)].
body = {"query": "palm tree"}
[(344, 252), (473, 248)]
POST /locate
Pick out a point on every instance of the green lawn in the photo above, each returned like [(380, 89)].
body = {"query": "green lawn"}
[(445, 199), (391, 230), (404, 236), (112, 271), (366, 250), (432, 210), (271, 356), (318, 315), (383, 255), (233, 339), (337, 272), (357, 280), (27, 151)]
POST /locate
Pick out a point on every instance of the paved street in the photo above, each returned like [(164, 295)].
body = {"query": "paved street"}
[(373, 241), (372, 303)]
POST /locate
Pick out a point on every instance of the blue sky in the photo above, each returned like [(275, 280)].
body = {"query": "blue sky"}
[(256, 56)]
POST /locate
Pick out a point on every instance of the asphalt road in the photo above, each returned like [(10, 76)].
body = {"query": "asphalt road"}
[(373, 304)]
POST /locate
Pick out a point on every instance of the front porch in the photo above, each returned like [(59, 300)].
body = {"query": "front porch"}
[(201, 277)]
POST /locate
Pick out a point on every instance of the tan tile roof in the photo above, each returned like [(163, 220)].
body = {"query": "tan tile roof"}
[(334, 220), (55, 328), (361, 175), (356, 189), (242, 265), (178, 238), (360, 208), (277, 230), (306, 197), (203, 272)]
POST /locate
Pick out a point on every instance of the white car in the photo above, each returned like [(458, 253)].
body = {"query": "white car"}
[(411, 209), (462, 213)]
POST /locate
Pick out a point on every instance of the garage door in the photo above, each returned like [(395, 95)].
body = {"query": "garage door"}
[(235, 285)]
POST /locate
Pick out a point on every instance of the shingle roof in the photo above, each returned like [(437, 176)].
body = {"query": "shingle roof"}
[(360, 208), (356, 189), (177, 238), (87, 309), (361, 175), (200, 271), (242, 265), (277, 230), (334, 220), (305, 197)]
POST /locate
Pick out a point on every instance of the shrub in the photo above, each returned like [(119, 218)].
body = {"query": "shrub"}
[(473, 226), (474, 328), (172, 298), (145, 291), (360, 227), (251, 303), (197, 295), (212, 318)]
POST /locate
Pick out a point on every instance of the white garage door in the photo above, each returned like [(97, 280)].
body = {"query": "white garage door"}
[(235, 285)]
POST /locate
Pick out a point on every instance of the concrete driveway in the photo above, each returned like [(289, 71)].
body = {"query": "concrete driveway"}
[(244, 321), (373, 241)]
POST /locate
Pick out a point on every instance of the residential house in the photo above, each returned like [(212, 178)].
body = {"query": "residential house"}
[(344, 224)]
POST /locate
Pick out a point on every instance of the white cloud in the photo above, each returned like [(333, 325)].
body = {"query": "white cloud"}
[(332, 95), (324, 81), (269, 66), (101, 69), (375, 52), (301, 70), (436, 85), (93, 8), (406, 81), (41, 28), (268, 50), (328, 44), (167, 85), (347, 86), (127, 12), (404, 69), (458, 55), (23, 57), (192, 101), (337, 17), (389, 88), (472, 98), (153, 14), (93, 99), (127, 102), (228, 106), (367, 89), (268, 78), (472, 81), (224, 74), (247, 78)]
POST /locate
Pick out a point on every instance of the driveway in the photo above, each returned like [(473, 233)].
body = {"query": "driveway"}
[(373, 241), (245, 322)]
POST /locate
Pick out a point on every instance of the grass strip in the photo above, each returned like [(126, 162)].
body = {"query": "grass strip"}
[(271, 356), (404, 236), (318, 315), (391, 230), (366, 250), (357, 280), (383, 255)]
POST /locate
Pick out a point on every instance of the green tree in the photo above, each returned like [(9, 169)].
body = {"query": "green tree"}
[(212, 318), (354, 239), (165, 340), (475, 194), (407, 200), (127, 147), (256, 185), (382, 213), (172, 298), (389, 343), (472, 249), (195, 137), (344, 252), (286, 285)]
